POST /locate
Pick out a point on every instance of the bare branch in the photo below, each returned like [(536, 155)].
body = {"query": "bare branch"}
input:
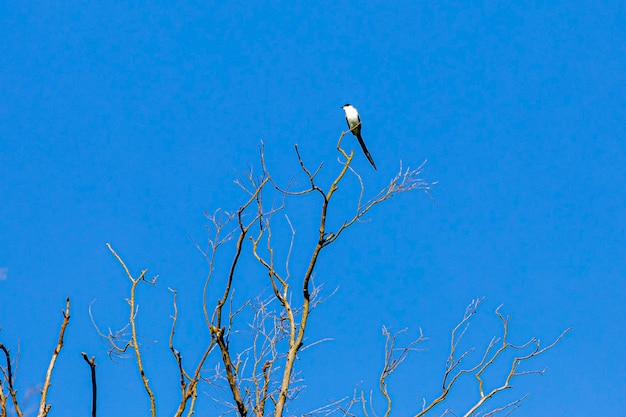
[(404, 181), (512, 406), (514, 364), (452, 363), (94, 389), (9, 377), (133, 314), (188, 384), (215, 325), (116, 341), (394, 358), (488, 359), (211, 253), (43, 407)]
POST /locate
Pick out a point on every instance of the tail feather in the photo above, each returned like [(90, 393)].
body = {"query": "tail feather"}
[(367, 153)]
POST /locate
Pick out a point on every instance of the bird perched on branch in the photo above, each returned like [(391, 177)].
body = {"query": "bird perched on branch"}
[(354, 123)]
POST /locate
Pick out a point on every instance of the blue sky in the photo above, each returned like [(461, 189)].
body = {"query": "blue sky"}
[(124, 123)]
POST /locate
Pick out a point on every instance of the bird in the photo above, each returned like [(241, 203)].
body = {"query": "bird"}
[(354, 123)]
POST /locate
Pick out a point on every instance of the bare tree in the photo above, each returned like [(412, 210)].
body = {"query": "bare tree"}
[(249, 360)]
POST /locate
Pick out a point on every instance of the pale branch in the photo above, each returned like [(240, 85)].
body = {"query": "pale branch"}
[(188, 384), (114, 340), (331, 408), (215, 324), (43, 407), (219, 223), (94, 389), (134, 344), (281, 295), (372, 404), (393, 360), (264, 352), (538, 350), (290, 250), (184, 377), (512, 406), (404, 181), (364, 403), (453, 373), (451, 362), (344, 406), (211, 253), (216, 320), (361, 187), (489, 357)]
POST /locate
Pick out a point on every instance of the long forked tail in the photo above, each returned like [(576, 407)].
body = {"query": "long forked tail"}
[(367, 153)]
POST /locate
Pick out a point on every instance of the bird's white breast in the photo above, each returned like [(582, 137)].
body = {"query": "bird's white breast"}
[(352, 115)]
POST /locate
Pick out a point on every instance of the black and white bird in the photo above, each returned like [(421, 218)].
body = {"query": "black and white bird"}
[(354, 123)]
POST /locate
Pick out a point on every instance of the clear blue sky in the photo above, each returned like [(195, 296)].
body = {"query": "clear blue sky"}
[(123, 123)]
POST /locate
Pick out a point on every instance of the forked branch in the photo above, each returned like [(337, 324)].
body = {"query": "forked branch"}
[(488, 359), (513, 372), (133, 342), (188, 383), (393, 358)]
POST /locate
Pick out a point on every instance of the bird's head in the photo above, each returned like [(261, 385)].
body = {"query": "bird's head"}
[(346, 105)]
